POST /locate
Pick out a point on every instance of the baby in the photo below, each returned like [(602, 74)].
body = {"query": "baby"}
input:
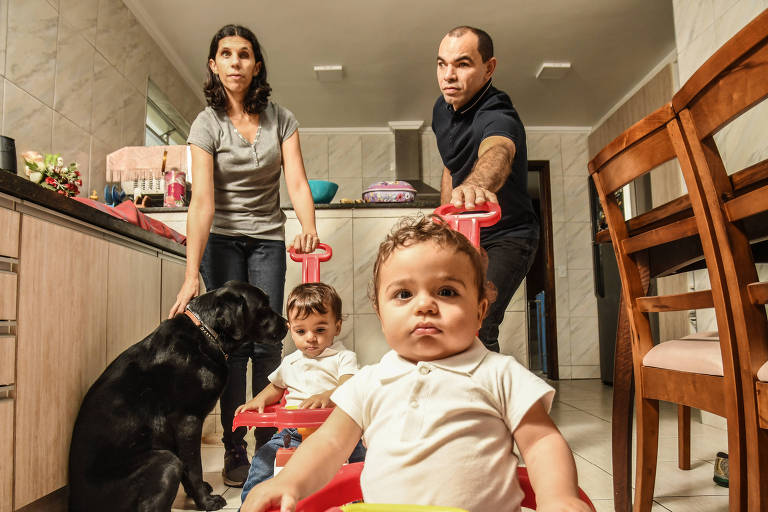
[(439, 413), (310, 374)]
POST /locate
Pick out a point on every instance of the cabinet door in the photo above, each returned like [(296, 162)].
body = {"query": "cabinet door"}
[(172, 278), (6, 454), (60, 347), (9, 233), (133, 297)]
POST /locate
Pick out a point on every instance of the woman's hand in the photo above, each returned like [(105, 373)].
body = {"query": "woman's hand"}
[(305, 242), (318, 401), (270, 494), (189, 291)]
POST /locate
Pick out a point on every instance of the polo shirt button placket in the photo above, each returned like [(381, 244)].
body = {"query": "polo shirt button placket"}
[(424, 370), (414, 404)]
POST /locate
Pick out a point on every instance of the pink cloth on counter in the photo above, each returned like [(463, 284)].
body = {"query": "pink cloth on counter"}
[(128, 212)]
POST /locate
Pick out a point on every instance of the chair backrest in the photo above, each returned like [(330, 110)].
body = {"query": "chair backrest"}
[(639, 150), (732, 82)]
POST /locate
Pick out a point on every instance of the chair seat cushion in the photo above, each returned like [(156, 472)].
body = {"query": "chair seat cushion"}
[(689, 354), (762, 373)]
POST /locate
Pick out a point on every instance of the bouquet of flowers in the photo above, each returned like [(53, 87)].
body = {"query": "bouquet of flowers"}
[(49, 172)]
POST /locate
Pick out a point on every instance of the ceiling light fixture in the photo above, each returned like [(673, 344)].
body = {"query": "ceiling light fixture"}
[(553, 70), (333, 73)]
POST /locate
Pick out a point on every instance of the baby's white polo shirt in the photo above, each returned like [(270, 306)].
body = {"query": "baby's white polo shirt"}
[(439, 432), (305, 376)]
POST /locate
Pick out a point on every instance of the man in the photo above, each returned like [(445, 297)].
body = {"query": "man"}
[(482, 143)]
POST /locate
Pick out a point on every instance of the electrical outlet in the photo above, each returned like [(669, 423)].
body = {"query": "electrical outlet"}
[(562, 271)]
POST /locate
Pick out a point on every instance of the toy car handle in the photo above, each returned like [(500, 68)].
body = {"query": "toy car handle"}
[(469, 224), (280, 417), (310, 262)]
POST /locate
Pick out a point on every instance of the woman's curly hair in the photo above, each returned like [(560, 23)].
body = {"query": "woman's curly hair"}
[(257, 98)]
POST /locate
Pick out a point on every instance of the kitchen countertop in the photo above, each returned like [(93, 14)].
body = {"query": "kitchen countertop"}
[(23, 189), (422, 204)]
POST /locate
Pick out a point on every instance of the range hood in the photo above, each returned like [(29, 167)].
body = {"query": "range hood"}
[(408, 158)]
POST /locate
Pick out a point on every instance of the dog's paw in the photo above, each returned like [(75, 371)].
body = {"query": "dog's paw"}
[(211, 502)]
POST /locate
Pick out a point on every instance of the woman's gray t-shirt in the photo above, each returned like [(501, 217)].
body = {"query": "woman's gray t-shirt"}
[(246, 177)]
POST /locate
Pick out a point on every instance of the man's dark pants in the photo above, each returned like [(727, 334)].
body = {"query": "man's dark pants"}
[(509, 260)]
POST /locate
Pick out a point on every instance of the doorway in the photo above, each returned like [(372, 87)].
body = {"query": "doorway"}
[(540, 282)]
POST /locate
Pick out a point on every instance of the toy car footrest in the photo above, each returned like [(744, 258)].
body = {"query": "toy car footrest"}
[(279, 417)]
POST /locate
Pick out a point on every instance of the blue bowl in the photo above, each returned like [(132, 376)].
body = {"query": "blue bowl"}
[(322, 190)]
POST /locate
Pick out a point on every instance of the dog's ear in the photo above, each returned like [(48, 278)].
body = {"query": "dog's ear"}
[(231, 316)]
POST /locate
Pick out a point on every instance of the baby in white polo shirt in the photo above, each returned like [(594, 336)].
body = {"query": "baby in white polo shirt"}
[(310, 374), (439, 413)]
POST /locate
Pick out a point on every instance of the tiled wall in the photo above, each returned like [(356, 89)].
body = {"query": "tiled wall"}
[(576, 305), (73, 80)]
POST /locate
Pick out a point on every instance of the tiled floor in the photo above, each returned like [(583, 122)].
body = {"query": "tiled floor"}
[(582, 411)]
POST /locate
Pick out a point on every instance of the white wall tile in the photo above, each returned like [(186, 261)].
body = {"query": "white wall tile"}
[(370, 343), (345, 158), (74, 76), (579, 240), (576, 198), (378, 154), (138, 54), (513, 336), (692, 18), (546, 146), (97, 177), (314, 149), (518, 300), (18, 108), (584, 341), (368, 233), (585, 372), (74, 145), (3, 34), (109, 92), (80, 15), (575, 154), (31, 47), (693, 55), (113, 18), (581, 295), (563, 341), (133, 120), (564, 371), (557, 198)]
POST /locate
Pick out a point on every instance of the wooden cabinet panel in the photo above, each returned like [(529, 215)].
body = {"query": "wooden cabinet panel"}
[(9, 233), (172, 279), (7, 295), (60, 344), (133, 297), (7, 360), (6, 454)]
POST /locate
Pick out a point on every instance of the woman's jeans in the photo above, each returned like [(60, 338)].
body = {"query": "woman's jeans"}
[(263, 462), (261, 263), (509, 260)]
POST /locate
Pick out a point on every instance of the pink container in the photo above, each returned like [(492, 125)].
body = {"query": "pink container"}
[(175, 188), (389, 192)]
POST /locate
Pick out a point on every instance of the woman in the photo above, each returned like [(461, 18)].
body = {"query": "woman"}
[(238, 144)]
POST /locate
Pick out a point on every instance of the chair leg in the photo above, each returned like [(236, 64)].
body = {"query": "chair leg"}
[(758, 472), (683, 437), (647, 451)]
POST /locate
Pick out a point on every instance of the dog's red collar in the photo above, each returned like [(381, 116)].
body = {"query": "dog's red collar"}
[(207, 331)]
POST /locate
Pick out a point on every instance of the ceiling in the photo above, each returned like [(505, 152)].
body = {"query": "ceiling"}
[(388, 49)]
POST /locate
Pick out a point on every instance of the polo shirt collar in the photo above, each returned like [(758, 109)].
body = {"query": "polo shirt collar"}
[(297, 355), (393, 366), (473, 101)]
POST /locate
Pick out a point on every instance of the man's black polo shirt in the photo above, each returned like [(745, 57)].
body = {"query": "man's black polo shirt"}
[(459, 134)]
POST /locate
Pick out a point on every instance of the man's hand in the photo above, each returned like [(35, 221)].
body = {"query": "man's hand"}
[(305, 243), (319, 401), (468, 195)]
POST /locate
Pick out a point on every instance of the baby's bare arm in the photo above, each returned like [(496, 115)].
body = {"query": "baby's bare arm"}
[(323, 399), (550, 463), (313, 465), (267, 396)]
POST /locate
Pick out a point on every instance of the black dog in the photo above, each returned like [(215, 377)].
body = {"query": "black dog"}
[(139, 429)]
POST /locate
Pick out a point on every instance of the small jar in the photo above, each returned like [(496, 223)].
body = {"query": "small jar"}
[(175, 188)]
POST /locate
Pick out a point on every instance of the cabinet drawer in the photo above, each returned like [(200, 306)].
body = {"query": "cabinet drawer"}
[(6, 454), (7, 360), (7, 295), (9, 233)]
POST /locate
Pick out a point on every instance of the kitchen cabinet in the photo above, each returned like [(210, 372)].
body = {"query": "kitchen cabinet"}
[(172, 277), (133, 297), (6, 455), (62, 316), (9, 233)]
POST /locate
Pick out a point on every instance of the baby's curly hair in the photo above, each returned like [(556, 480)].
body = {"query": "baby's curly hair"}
[(432, 228), (309, 298)]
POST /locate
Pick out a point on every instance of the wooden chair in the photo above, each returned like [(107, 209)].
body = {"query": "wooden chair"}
[(733, 81), (688, 372)]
